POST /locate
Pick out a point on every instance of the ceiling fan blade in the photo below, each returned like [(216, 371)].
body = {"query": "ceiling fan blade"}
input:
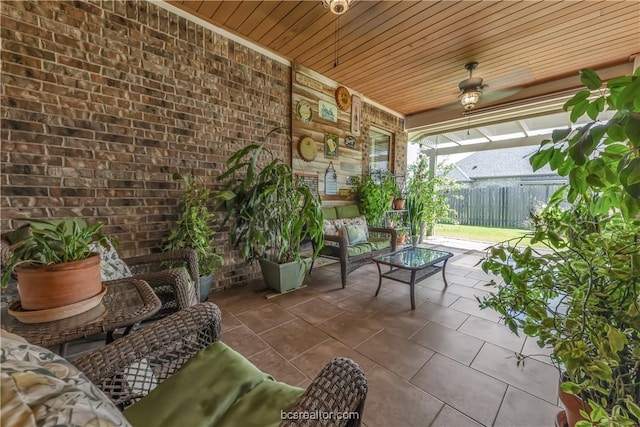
[(491, 96)]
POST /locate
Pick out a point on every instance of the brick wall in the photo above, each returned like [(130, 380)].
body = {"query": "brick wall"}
[(102, 101)]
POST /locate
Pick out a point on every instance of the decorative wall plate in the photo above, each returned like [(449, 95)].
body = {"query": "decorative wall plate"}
[(343, 98), (307, 149), (350, 141), (304, 112)]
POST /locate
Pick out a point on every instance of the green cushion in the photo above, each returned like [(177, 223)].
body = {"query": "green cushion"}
[(348, 211), (215, 381), (359, 249), (329, 213), (378, 243)]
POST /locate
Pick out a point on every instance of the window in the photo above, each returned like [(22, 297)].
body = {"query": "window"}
[(380, 155)]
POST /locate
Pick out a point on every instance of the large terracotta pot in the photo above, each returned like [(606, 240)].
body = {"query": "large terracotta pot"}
[(58, 285), (572, 406)]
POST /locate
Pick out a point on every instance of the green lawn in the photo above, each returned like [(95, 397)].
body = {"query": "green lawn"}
[(479, 234)]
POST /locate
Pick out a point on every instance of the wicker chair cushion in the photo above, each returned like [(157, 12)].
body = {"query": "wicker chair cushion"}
[(216, 387), (41, 388)]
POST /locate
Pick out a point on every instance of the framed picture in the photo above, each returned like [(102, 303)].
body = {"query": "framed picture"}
[(356, 112), (330, 145), (350, 142), (327, 110)]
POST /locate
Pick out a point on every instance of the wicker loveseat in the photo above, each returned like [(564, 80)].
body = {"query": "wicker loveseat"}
[(190, 394), (339, 242), (172, 275)]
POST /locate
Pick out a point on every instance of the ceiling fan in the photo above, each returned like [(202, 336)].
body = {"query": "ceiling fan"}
[(471, 89)]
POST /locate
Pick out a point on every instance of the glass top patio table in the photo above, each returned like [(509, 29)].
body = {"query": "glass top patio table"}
[(413, 258)]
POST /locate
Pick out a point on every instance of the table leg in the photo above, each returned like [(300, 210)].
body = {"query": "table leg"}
[(413, 282), (443, 276), (379, 279)]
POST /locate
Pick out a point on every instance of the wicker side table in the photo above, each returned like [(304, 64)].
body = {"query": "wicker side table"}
[(126, 303)]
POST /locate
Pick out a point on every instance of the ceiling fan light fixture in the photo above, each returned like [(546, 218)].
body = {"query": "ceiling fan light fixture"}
[(469, 98), (471, 88), (337, 6)]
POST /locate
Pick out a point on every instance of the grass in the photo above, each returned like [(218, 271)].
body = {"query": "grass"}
[(480, 234)]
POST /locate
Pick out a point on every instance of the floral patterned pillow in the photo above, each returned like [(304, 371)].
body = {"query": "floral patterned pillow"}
[(356, 233), (43, 389), (111, 266), (359, 220)]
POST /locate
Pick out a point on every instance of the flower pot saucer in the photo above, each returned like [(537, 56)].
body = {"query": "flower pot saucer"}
[(57, 313)]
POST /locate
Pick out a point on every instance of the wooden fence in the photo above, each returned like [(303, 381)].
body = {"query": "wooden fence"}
[(503, 207)]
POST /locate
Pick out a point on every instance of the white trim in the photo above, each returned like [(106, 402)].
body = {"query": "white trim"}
[(206, 24)]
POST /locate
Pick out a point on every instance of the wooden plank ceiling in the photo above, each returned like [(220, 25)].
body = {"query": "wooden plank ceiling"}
[(410, 55)]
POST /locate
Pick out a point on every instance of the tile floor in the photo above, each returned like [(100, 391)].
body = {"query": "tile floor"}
[(447, 363)]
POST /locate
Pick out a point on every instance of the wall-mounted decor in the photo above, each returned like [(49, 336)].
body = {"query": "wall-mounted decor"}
[(310, 180), (304, 112), (307, 149), (356, 115), (308, 81), (330, 145), (331, 181), (350, 142), (343, 98), (327, 110)]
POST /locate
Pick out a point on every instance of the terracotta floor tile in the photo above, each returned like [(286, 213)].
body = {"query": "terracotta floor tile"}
[(492, 332), (293, 338), (265, 317), (449, 417), (362, 305), (393, 402), (229, 321), (520, 409), (445, 316), (349, 329), (471, 392), (534, 377), (315, 311), (313, 360), (453, 344), (467, 292), (402, 322), (397, 354), (471, 306), (335, 295), (270, 362), (533, 350), (244, 341), (291, 299), (440, 297), (454, 279), (239, 303)]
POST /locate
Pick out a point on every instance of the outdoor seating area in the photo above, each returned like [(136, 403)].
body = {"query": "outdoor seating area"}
[(226, 213)]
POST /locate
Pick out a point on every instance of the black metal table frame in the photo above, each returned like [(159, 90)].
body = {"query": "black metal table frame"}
[(417, 274)]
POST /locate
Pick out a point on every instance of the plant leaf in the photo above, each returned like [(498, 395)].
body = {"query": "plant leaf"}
[(590, 79)]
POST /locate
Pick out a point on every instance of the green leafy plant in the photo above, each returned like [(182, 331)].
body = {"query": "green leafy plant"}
[(431, 193), (416, 207), (375, 193), (193, 229), (581, 295), (45, 242), (271, 210)]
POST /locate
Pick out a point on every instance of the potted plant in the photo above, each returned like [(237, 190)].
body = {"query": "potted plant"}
[(432, 193), (400, 197), (581, 296), (375, 193), (54, 264), (193, 230), (271, 213), (415, 206)]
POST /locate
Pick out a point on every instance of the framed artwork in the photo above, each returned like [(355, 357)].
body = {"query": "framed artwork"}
[(304, 112), (356, 112), (331, 181), (350, 142), (327, 110), (330, 145)]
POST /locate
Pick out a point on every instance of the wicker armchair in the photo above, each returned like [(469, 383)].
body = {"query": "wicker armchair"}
[(167, 344), (175, 289)]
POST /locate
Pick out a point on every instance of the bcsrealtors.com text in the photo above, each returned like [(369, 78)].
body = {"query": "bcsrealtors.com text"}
[(319, 415)]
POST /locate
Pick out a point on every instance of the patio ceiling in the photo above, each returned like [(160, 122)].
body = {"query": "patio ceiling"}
[(409, 55)]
